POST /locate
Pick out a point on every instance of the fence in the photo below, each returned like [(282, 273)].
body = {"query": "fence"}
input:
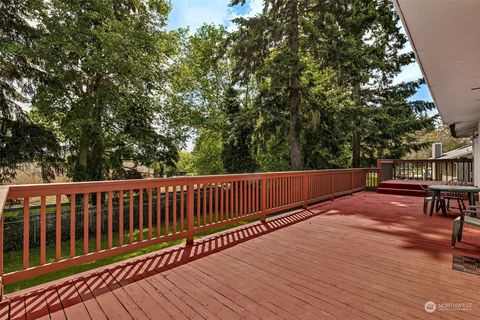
[(114, 217), (427, 169)]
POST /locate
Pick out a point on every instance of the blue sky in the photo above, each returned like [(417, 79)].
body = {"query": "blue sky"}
[(194, 13)]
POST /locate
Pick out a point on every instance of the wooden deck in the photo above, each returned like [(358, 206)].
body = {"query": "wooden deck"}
[(367, 256)]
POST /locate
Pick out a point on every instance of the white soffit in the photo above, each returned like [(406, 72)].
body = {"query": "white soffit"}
[(445, 36)]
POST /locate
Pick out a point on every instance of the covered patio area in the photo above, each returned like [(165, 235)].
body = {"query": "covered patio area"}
[(367, 256)]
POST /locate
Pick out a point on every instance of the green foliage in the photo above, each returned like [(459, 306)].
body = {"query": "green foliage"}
[(103, 63), (236, 152), (441, 134), (207, 155), (347, 55), (21, 140), (304, 84)]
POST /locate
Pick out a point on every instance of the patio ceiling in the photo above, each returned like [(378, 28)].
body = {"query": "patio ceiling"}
[(446, 40)]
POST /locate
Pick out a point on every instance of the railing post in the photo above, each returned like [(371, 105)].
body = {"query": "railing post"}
[(305, 191), (3, 200), (333, 186), (190, 216), (351, 183), (263, 203)]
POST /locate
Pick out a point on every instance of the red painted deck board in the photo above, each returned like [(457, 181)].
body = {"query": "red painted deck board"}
[(366, 256)]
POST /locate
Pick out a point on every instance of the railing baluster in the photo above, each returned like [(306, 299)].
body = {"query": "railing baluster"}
[(221, 201), (120, 218), (150, 222), (254, 194), (210, 204), (227, 200), (198, 188), (99, 221), (26, 233), (140, 214), (236, 199), (72, 225), (174, 210), (85, 223), (204, 204), (182, 208), (167, 211), (231, 206), (130, 216), (43, 230), (159, 211), (190, 213), (263, 203), (216, 202), (110, 220), (58, 227), (240, 192)]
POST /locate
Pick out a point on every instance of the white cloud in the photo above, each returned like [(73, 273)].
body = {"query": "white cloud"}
[(409, 73), (256, 7), (194, 13)]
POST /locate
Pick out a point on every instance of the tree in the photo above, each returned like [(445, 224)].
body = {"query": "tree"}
[(236, 136), (104, 63), (202, 75), (394, 120), (362, 39), (350, 48), (21, 140), (442, 135), (276, 30), (207, 154)]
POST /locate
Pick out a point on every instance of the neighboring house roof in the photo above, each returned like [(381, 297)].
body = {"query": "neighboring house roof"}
[(465, 152)]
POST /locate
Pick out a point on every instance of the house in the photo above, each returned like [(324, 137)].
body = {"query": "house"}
[(459, 153), (445, 39)]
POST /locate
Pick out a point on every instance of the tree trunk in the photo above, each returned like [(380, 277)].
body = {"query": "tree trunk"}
[(295, 124), (356, 149), (356, 135)]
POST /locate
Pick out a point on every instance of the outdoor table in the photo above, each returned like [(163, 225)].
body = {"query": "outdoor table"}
[(437, 189)]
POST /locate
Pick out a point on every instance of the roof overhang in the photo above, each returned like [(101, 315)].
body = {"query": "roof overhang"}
[(445, 37)]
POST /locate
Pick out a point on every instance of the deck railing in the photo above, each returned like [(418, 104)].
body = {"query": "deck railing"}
[(426, 169), (81, 222)]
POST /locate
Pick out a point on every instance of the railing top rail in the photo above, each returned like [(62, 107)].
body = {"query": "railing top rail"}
[(425, 160), (48, 189)]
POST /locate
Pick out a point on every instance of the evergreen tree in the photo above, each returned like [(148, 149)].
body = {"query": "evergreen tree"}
[(237, 132), (21, 140), (271, 42), (362, 39)]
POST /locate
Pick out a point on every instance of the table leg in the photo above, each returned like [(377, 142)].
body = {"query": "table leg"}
[(471, 198), (434, 199), (442, 205)]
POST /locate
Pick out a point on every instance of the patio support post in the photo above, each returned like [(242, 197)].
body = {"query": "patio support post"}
[(190, 216), (263, 203), (305, 191)]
